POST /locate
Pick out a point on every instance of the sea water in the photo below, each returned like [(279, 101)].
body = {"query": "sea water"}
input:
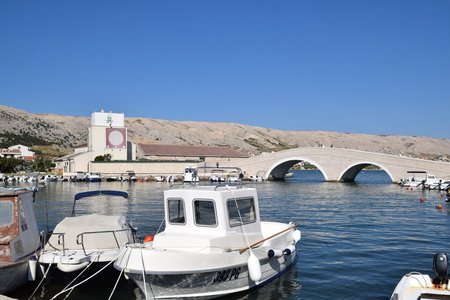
[(358, 239)]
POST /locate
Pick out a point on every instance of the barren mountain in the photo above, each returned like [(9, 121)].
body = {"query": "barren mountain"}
[(64, 132)]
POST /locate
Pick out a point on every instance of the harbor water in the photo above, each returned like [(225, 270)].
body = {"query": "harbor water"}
[(358, 239)]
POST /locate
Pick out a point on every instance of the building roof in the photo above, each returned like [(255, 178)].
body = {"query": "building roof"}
[(71, 156), (190, 151), (80, 146), (10, 151)]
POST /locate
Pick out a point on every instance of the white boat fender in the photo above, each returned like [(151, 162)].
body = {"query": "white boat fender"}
[(67, 268), (297, 235), (274, 253), (32, 268), (289, 250), (254, 268)]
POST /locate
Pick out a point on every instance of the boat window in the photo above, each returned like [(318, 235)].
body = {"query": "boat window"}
[(245, 207), (205, 212), (176, 211), (6, 213)]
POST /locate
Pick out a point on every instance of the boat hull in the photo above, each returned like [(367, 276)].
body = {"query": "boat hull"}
[(12, 276), (75, 261), (207, 285)]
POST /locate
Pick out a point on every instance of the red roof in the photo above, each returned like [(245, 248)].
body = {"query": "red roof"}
[(190, 151)]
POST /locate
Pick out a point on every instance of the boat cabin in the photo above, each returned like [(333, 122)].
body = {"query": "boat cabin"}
[(19, 235), (210, 216)]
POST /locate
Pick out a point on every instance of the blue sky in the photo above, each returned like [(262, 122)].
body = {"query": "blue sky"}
[(376, 67)]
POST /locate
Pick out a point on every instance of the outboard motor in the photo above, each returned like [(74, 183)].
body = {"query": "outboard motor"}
[(440, 266)]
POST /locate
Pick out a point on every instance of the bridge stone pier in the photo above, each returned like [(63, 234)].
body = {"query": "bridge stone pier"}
[(338, 164)]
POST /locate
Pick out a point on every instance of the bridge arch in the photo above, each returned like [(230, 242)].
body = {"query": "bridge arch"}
[(279, 169), (349, 174)]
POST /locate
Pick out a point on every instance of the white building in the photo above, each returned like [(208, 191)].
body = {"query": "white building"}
[(18, 151), (107, 135), (25, 151)]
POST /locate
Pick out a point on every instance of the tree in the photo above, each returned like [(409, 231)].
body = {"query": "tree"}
[(41, 164), (8, 165), (99, 158), (106, 157)]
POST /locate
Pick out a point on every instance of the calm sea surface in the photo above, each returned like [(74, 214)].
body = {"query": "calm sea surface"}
[(358, 239)]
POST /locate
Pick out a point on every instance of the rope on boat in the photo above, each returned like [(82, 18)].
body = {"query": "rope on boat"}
[(242, 222), (87, 267), (90, 277), (143, 274), (265, 239), (115, 285), (418, 273)]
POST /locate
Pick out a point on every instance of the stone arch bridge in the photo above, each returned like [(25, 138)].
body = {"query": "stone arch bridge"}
[(337, 164)]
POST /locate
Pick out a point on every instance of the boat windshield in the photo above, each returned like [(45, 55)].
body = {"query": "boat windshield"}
[(6, 213), (241, 208), (205, 213), (176, 211)]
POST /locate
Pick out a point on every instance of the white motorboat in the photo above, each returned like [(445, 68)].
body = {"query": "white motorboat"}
[(190, 174), (438, 184), (93, 177), (214, 244), (415, 285), (160, 178), (50, 178), (234, 177), (19, 237), (255, 178), (217, 176), (414, 180), (79, 240)]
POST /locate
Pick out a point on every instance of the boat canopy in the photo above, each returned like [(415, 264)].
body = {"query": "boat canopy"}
[(100, 193), (92, 231), (82, 195)]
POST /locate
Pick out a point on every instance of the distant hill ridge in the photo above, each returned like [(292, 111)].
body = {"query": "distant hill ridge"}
[(64, 132)]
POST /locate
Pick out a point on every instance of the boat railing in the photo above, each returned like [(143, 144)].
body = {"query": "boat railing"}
[(80, 237), (237, 184), (59, 236)]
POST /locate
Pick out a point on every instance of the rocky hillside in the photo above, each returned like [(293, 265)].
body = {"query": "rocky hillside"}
[(63, 132)]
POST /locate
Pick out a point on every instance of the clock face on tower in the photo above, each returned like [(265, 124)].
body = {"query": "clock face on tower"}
[(116, 138)]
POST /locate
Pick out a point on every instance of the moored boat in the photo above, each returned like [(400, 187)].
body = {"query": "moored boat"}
[(255, 178), (414, 180), (19, 237), (80, 240), (415, 285), (214, 244), (190, 174), (93, 177)]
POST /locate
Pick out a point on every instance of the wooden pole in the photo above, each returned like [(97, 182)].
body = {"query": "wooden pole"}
[(267, 238)]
